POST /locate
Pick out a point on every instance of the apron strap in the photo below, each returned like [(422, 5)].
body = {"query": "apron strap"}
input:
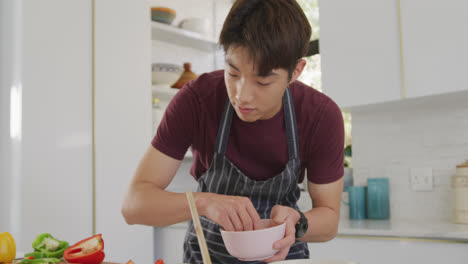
[(291, 126), (224, 128), (289, 119)]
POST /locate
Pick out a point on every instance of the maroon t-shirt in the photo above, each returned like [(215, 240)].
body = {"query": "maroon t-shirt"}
[(259, 149)]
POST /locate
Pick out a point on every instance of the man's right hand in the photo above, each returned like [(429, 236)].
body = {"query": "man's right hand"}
[(233, 213)]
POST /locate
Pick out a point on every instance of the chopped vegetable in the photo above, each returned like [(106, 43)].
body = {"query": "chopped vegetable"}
[(40, 261), (7, 247), (46, 246), (86, 251), (35, 255)]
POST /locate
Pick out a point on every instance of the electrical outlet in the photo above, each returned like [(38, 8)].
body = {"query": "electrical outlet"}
[(421, 179)]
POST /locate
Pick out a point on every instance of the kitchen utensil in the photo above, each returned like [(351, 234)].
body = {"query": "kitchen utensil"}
[(163, 14), (357, 202), (165, 73), (460, 194), (186, 76), (198, 228), (378, 204), (256, 244)]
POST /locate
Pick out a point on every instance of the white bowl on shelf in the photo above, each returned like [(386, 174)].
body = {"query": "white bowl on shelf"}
[(196, 24), (165, 73)]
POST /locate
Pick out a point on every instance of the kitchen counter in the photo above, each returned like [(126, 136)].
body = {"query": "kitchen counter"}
[(404, 229), (395, 229)]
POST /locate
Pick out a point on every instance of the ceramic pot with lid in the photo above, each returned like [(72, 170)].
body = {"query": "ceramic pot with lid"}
[(460, 194), (186, 76)]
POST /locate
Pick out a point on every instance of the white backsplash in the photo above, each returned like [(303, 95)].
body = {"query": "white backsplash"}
[(392, 138)]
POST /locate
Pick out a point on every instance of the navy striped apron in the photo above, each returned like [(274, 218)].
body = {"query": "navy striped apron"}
[(223, 177)]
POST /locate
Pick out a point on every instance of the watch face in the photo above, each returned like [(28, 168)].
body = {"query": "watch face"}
[(301, 227), (302, 230)]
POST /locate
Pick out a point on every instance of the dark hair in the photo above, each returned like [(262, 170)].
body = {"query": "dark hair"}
[(276, 33)]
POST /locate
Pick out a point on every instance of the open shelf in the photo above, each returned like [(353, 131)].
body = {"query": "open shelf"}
[(174, 35), (164, 90)]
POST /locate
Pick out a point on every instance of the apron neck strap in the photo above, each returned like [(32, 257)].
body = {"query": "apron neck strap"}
[(289, 120)]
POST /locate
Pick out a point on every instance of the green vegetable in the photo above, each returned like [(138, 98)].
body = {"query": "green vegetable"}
[(41, 261), (35, 254), (46, 246)]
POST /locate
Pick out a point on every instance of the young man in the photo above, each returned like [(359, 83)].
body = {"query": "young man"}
[(253, 130)]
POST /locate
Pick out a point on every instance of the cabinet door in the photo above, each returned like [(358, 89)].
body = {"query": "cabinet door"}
[(169, 243), (53, 111), (434, 46), (359, 45), (123, 121)]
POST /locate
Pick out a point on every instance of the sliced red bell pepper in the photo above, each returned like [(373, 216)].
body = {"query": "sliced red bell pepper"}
[(87, 251), (159, 261)]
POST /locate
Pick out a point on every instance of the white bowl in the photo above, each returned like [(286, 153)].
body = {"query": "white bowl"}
[(256, 244), (196, 24), (165, 73)]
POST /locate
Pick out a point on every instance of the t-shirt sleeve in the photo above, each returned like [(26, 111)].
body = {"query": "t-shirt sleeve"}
[(175, 132), (326, 161)]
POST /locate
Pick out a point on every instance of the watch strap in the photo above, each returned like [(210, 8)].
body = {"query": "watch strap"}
[(302, 225)]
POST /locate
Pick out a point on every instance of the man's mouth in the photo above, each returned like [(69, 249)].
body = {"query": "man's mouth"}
[(245, 110)]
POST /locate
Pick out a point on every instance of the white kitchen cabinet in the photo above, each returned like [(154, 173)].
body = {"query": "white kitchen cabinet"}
[(372, 250), (434, 46), (363, 250), (122, 121), (360, 51), (169, 243), (45, 120)]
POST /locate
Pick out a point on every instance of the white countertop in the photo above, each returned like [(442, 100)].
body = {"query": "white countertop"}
[(403, 229), (395, 229)]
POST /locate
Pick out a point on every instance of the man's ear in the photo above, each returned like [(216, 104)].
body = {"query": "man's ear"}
[(298, 70)]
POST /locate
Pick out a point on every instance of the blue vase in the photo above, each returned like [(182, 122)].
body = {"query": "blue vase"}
[(378, 202), (357, 202)]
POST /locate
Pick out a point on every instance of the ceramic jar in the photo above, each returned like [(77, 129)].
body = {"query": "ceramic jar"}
[(460, 194), (186, 76)]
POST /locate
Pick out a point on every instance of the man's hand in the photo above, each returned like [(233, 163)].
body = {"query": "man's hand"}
[(233, 213), (279, 215)]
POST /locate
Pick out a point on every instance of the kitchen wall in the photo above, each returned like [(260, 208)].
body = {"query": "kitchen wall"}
[(391, 138)]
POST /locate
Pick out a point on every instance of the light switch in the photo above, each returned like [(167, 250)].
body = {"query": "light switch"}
[(421, 179)]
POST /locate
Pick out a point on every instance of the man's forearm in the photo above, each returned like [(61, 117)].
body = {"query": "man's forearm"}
[(323, 224), (146, 204)]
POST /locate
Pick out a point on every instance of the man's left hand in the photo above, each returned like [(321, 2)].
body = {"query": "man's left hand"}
[(290, 216)]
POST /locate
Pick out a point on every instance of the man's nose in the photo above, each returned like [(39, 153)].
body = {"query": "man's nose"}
[(245, 92)]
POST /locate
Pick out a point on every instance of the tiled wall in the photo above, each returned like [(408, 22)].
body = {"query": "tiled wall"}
[(390, 139)]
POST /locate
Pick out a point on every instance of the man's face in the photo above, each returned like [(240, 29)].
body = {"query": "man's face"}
[(254, 97)]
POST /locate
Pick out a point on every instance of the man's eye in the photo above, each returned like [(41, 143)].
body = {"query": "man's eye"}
[(233, 75), (263, 84)]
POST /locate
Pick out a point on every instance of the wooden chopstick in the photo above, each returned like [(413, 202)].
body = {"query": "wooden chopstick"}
[(198, 228)]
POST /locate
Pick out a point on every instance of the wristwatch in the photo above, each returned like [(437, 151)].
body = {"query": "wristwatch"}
[(302, 225)]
